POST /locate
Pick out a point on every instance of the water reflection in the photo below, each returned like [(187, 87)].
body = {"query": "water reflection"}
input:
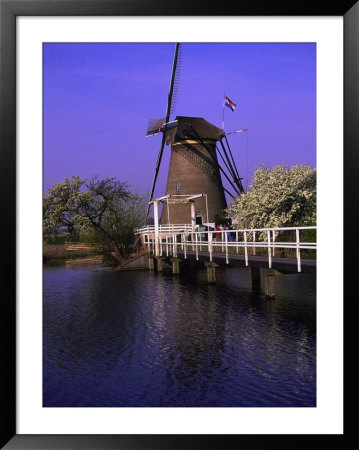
[(145, 339)]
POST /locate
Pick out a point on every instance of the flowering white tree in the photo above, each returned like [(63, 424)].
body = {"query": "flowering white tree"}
[(278, 197)]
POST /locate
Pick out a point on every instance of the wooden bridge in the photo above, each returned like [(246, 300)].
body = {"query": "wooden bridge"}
[(258, 248)]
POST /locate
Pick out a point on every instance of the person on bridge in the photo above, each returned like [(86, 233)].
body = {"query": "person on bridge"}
[(222, 235), (228, 233), (217, 229)]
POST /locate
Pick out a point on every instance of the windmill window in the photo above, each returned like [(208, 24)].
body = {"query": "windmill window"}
[(179, 186)]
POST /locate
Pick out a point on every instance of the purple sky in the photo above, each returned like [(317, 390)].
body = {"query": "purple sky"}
[(98, 99)]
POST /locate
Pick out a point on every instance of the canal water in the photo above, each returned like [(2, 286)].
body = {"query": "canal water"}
[(142, 339)]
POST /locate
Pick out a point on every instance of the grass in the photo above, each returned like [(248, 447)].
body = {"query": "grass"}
[(55, 262), (85, 254), (54, 240)]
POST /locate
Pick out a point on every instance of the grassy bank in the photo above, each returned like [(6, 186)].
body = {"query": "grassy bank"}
[(59, 249)]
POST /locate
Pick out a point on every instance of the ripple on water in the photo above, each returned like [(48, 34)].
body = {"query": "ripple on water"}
[(145, 339)]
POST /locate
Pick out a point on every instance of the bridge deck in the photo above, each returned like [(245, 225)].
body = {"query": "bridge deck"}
[(284, 264)]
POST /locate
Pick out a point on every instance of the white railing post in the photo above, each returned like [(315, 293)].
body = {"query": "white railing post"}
[(269, 250), (196, 237), (184, 246), (273, 240), (298, 249), (237, 243), (155, 211), (210, 245), (245, 248), (226, 243), (167, 245), (254, 242), (193, 219)]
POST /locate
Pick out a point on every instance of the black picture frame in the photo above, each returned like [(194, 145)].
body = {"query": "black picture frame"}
[(9, 10)]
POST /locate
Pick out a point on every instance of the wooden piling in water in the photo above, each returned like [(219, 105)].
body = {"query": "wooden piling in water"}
[(267, 277), (175, 265), (151, 262), (159, 260), (211, 271)]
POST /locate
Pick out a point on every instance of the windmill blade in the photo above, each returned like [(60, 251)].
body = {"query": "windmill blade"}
[(234, 172), (214, 160), (154, 126), (224, 162), (176, 79), (173, 90), (173, 83), (235, 167), (157, 169)]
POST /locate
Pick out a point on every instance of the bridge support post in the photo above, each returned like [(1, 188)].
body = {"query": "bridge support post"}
[(269, 285), (151, 262), (175, 265), (211, 271), (268, 281), (159, 263)]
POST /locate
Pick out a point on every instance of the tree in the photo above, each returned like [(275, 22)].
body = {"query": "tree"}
[(278, 197), (103, 210), (222, 219)]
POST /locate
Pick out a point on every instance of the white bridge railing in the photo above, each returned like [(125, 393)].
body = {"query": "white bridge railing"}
[(164, 228), (173, 237)]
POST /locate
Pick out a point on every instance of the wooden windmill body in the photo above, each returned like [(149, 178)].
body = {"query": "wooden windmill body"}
[(193, 170)]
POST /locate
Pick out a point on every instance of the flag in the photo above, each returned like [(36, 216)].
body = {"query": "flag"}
[(229, 103)]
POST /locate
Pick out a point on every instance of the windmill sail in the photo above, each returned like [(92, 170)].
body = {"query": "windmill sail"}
[(157, 125), (172, 94)]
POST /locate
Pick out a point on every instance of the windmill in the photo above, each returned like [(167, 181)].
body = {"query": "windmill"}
[(194, 167)]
